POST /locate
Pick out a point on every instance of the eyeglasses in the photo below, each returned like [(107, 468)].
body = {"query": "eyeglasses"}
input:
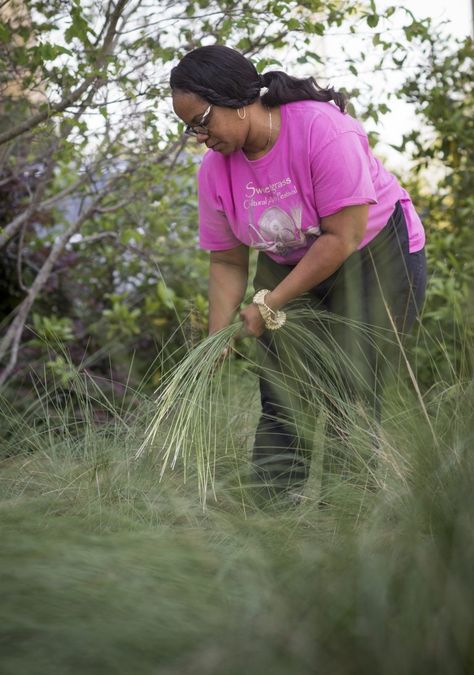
[(201, 128)]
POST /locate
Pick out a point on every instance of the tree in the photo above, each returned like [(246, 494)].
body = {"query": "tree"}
[(442, 91), (99, 233)]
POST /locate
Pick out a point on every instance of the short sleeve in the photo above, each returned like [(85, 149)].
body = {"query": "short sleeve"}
[(215, 233), (341, 174)]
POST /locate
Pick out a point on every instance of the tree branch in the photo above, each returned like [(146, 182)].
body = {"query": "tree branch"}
[(14, 226), (129, 247), (74, 96), (13, 335)]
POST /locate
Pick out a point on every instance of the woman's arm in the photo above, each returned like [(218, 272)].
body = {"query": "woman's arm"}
[(228, 273), (342, 233)]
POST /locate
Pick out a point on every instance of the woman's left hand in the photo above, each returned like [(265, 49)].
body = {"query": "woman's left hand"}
[(252, 320)]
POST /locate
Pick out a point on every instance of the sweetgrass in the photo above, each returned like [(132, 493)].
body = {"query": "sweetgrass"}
[(310, 371), (186, 419)]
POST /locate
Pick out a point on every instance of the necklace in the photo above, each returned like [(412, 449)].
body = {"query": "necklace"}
[(270, 134)]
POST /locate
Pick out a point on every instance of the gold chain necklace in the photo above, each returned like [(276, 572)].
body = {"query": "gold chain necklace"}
[(270, 134)]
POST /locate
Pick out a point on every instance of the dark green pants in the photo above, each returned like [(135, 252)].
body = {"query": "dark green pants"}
[(344, 361)]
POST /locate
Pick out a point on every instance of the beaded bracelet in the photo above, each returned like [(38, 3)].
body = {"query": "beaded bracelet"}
[(273, 320)]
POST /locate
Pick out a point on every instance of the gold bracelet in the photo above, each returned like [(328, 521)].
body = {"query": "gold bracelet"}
[(272, 319)]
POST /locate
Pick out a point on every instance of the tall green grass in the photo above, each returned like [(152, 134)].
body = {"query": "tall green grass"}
[(105, 568), (310, 372)]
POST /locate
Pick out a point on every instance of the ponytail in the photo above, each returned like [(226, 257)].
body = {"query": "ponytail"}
[(283, 88)]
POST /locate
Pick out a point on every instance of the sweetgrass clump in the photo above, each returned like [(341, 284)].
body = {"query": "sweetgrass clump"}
[(312, 371), (186, 420)]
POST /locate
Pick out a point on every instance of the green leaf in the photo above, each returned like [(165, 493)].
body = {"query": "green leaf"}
[(399, 62), (79, 27), (264, 63), (313, 56), (166, 294), (49, 52), (293, 24), (372, 20), (5, 33)]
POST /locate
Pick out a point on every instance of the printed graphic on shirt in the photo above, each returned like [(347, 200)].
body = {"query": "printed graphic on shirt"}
[(276, 230), (280, 232)]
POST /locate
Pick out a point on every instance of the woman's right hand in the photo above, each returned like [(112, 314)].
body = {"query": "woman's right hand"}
[(253, 324)]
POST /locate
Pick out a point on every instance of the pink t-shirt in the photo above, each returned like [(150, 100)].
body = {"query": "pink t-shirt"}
[(320, 163)]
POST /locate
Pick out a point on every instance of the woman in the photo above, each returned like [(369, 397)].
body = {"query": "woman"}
[(290, 173)]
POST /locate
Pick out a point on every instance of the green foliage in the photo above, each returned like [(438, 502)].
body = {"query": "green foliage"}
[(51, 329), (79, 27), (133, 277), (62, 371), (443, 94)]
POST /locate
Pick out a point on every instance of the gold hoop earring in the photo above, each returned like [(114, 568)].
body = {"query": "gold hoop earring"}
[(240, 116)]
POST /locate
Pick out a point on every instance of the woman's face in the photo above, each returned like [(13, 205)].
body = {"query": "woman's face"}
[(226, 132)]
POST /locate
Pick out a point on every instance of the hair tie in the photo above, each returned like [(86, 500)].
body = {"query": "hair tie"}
[(263, 88)]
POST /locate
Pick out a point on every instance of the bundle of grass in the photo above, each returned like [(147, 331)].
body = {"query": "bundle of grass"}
[(312, 372), (191, 410)]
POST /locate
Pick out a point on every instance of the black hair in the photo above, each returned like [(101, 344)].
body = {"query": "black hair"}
[(225, 77)]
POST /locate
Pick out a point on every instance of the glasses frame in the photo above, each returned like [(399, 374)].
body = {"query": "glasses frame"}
[(190, 129)]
